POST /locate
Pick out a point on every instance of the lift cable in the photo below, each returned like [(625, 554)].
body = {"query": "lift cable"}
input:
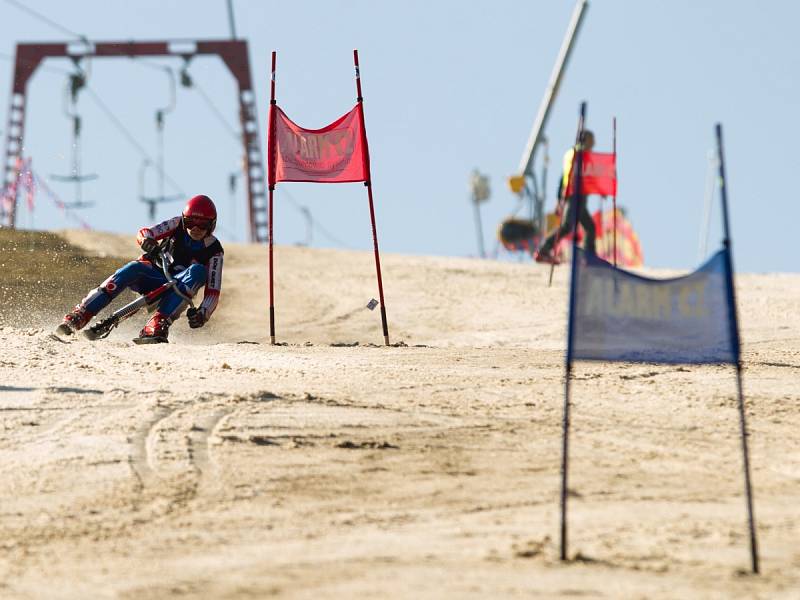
[(189, 82), (314, 223), (233, 133), (132, 140), (75, 83), (50, 22)]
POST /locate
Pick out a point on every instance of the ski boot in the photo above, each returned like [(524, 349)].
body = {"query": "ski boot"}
[(545, 256), (155, 331), (74, 320)]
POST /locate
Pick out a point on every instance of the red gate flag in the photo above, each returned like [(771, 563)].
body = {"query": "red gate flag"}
[(599, 174), (333, 154)]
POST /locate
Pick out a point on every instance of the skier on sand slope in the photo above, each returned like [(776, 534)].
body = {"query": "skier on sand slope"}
[(197, 260)]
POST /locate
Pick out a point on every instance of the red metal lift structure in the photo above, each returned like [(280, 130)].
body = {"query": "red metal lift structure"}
[(234, 55)]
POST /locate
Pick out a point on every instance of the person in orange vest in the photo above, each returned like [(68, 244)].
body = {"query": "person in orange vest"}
[(579, 203)]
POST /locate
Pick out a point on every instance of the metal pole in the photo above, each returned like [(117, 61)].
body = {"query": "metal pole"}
[(723, 189), (76, 160), (614, 198), (368, 184), (576, 192), (555, 243), (160, 154), (271, 276), (232, 201), (526, 164), (751, 520), (734, 325), (479, 193), (271, 151), (479, 229), (231, 20), (564, 459), (539, 216)]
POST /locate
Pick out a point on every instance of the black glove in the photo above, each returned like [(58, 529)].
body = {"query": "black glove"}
[(148, 245), (197, 318)]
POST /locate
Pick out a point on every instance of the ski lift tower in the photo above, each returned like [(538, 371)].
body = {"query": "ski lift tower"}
[(525, 183), (234, 55)]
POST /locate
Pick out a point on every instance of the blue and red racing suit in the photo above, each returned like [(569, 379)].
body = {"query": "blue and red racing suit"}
[(196, 262)]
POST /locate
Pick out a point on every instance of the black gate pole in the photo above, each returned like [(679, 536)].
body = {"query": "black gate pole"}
[(564, 459), (734, 320), (576, 191)]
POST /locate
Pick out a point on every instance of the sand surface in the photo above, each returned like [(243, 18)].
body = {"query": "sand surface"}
[(219, 466)]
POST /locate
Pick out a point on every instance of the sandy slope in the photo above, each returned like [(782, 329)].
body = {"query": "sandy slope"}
[(220, 466)]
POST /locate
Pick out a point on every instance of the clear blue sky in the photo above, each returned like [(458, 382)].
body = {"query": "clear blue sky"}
[(448, 86)]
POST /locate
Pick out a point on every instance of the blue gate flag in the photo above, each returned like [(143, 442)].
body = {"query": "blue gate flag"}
[(621, 316)]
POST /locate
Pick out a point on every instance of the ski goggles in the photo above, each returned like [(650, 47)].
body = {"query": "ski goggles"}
[(199, 222)]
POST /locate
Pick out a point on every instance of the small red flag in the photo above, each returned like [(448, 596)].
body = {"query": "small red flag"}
[(29, 183), (10, 191), (599, 174), (333, 154)]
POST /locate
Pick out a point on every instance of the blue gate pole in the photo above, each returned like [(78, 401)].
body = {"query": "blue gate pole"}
[(734, 325), (577, 172)]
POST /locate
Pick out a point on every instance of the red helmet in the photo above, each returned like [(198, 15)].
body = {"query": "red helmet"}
[(200, 210)]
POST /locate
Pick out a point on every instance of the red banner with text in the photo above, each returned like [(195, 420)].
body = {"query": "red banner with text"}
[(599, 174), (333, 154)]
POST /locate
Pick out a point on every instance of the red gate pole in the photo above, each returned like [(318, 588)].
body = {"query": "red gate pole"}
[(271, 149), (368, 184), (614, 197)]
